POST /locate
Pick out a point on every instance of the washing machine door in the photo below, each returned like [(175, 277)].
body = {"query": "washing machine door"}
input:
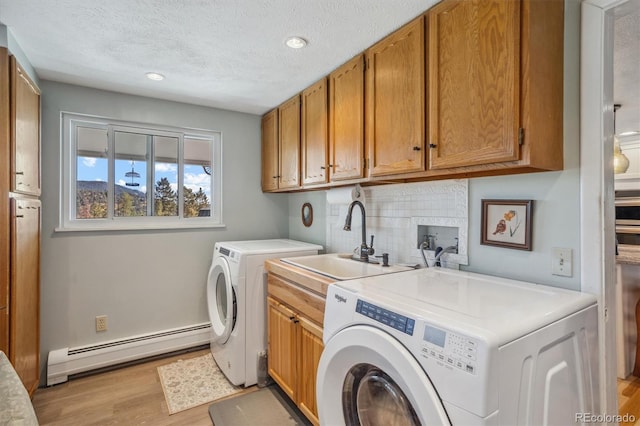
[(221, 300), (366, 377)]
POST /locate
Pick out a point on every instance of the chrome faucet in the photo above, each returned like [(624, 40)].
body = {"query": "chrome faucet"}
[(450, 249), (365, 250)]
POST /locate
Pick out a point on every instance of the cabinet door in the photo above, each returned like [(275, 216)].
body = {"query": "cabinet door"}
[(281, 346), (24, 308), (314, 134), (4, 330), (346, 121), (310, 350), (395, 102), (474, 75), (25, 132), (270, 151), (289, 148)]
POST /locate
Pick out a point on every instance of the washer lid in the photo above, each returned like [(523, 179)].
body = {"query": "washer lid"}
[(498, 308), (267, 246)]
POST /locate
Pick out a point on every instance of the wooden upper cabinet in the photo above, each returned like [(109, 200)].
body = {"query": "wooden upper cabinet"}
[(270, 151), (346, 121), (315, 134), (473, 78), (289, 146), (25, 132), (395, 102)]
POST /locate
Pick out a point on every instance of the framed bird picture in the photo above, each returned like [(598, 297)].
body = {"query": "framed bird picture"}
[(506, 223)]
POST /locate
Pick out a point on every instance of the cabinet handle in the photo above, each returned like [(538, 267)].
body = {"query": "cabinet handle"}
[(322, 167), (416, 148), (432, 145), (276, 177), (18, 216), (20, 173), (296, 321), (290, 318)]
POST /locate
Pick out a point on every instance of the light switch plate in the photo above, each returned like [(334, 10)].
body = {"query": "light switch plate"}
[(562, 262)]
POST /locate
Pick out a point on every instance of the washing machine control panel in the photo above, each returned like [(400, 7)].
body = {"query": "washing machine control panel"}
[(230, 254), (386, 317), (446, 347)]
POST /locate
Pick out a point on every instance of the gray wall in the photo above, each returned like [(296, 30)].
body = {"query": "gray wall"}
[(316, 233), (144, 281)]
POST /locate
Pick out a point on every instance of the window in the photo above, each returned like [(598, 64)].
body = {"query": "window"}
[(120, 175)]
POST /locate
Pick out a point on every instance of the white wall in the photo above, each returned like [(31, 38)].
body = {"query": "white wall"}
[(152, 280)]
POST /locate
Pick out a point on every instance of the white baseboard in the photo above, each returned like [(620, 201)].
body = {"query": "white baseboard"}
[(64, 362)]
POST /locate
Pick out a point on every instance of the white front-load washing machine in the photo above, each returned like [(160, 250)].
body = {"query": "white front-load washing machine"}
[(446, 347), (236, 298)]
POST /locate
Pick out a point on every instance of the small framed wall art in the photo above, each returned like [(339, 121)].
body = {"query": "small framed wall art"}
[(506, 223), (307, 214)]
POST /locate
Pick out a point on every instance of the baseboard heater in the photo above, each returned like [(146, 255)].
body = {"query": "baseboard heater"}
[(64, 362)]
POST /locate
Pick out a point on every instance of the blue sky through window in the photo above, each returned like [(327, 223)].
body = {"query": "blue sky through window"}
[(95, 169)]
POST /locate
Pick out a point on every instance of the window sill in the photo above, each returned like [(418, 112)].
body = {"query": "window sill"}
[(137, 227)]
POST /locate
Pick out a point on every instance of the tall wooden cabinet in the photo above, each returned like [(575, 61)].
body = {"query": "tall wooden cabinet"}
[(5, 179), (20, 220), (24, 326), (25, 132), (395, 99)]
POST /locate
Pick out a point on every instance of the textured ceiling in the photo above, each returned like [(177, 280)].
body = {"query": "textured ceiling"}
[(626, 66), (221, 53), (230, 53)]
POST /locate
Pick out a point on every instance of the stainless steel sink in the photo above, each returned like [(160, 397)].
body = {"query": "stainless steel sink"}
[(340, 268)]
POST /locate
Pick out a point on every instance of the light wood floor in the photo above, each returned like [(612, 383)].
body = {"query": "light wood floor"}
[(629, 398), (133, 396), (128, 396)]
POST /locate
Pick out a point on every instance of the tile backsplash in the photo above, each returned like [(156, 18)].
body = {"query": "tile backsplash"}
[(394, 214)]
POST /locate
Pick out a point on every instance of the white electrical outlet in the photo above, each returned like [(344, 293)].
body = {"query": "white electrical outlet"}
[(101, 323), (562, 262)]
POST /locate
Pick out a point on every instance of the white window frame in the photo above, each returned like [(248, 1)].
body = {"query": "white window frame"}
[(68, 174)]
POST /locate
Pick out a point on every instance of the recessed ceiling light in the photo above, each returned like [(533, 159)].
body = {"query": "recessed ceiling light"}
[(296, 42), (632, 133), (154, 76)]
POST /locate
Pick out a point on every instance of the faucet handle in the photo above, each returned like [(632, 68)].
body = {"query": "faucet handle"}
[(371, 249), (385, 259)]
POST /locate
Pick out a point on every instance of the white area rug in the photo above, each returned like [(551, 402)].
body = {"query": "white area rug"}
[(192, 382)]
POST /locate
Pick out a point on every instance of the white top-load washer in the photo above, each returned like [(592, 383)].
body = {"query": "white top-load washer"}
[(436, 346), (236, 296)]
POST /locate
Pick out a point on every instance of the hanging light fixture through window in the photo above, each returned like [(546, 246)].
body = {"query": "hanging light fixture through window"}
[(620, 161)]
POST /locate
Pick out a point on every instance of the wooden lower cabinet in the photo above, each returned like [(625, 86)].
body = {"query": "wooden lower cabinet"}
[(4, 331), (282, 346), (294, 349), (309, 357), (24, 292)]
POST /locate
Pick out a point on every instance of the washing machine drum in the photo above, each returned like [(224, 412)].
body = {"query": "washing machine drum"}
[(367, 377), (221, 299), (371, 397)]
